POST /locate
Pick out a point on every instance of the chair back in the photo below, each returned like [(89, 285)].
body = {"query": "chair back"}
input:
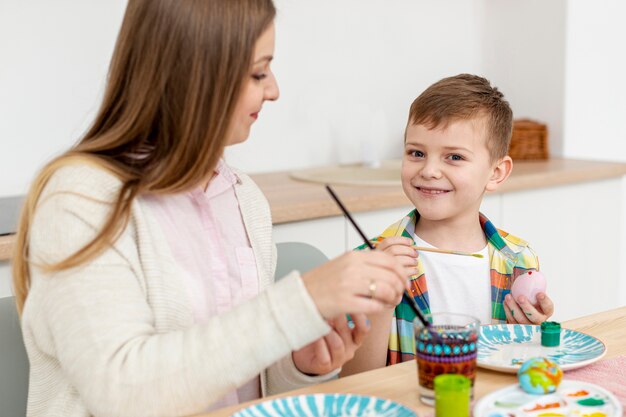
[(297, 256), (13, 362)]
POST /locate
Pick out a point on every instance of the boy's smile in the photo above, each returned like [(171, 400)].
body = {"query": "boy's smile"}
[(446, 171), (431, 191)]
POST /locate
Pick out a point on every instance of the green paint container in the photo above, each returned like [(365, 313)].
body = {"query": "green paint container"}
[(452, 395), (550, 333)]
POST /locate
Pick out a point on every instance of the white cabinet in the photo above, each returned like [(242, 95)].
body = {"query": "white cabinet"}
[(327, 234), (6, 289), (575, 230)]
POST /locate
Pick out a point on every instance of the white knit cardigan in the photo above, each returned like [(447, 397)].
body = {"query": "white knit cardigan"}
[(116, 337)]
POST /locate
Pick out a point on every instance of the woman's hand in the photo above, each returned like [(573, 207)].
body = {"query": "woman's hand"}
[(356, 282), (402, 249), (523, 312), (333, 350)]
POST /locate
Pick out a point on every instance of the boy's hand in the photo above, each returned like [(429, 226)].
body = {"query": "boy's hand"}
[(523, 312), (333, 350), (402, 249)]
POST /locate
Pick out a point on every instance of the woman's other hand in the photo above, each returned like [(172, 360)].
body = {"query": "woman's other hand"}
[(333, 350)]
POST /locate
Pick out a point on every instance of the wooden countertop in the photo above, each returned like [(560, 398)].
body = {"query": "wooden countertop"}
[(399, 382), (6, 246), (291, 200)]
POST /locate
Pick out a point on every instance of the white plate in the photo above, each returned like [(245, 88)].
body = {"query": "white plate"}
[(512, 401), (504, 347), (327, 405)]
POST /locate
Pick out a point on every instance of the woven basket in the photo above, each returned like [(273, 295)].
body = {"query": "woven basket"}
[(529, 141)]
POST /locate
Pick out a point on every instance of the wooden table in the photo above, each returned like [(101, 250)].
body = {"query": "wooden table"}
[(399, 382)]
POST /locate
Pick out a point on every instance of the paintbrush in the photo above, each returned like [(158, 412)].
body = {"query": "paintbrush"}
[(450, 252), (407, 297)]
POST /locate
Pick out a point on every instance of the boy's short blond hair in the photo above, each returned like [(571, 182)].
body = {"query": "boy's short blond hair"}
[(465, 97)]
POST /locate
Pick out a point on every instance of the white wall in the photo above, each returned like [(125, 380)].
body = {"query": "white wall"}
[(595, 104), (53, 61), (337, 63), (333, 79), (525, 56), (595, 100)]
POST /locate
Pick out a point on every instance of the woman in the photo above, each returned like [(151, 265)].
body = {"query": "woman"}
[(144, 265)]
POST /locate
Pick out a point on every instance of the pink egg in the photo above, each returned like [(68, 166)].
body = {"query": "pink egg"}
[(529, 285)]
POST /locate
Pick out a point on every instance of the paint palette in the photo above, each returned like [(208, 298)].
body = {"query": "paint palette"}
[(504, 347), (572, 398), (327, 405)]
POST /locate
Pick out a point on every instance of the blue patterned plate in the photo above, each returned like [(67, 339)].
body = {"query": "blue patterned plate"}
[(504, 347), (326, 405)]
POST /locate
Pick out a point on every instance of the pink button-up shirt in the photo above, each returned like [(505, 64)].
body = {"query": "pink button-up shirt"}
[(206, 234)]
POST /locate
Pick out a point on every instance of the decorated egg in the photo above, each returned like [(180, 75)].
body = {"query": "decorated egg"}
[(539, 376), (529, 285)]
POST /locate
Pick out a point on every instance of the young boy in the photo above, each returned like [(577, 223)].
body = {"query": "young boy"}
[(455, 150)]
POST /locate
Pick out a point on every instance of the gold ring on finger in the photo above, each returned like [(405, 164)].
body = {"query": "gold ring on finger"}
[(372, 288)]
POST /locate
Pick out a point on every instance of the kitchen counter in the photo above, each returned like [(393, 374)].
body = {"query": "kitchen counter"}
[(292, 201)]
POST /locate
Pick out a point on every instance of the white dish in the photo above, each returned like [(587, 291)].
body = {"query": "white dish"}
[(512, 401)]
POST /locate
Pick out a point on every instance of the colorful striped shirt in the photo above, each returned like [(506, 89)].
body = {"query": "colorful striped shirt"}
[(509, 257)]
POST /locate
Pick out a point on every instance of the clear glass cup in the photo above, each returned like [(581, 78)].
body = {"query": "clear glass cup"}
[(447, 346)]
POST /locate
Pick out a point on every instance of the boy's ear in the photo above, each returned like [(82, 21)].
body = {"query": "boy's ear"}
[(501, 172)]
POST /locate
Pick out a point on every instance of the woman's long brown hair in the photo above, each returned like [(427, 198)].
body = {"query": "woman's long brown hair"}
[(177, 71)]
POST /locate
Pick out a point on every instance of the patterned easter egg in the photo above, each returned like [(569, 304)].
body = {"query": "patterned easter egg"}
[(539, 376)]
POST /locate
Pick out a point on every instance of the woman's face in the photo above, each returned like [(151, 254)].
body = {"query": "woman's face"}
[(260, 85)]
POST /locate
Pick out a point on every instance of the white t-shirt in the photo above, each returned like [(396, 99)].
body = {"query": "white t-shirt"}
[(458, 284)]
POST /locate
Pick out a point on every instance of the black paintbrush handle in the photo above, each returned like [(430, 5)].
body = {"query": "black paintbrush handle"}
[(407, 297), (349, 216)]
